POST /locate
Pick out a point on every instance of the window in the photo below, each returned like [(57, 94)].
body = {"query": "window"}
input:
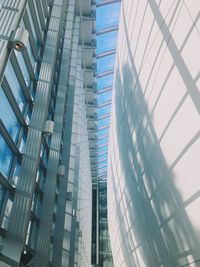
[(15, 86), (8, 117), (2, 194), (41, 177), (6, 157), (23, 67), (15, 177), (7, 212), (22, 143)]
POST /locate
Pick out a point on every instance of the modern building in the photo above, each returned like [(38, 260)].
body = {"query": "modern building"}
[(60, 163), (154, 148), (47, 132)]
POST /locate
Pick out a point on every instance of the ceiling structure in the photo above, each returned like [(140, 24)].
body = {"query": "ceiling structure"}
[(107, 18)]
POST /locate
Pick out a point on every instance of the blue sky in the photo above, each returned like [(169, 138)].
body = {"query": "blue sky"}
[(107, 16)]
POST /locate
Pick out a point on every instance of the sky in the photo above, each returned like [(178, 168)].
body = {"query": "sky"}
[(106, 16)]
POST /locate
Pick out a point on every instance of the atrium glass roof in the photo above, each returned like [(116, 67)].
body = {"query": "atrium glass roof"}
[(107, 19)]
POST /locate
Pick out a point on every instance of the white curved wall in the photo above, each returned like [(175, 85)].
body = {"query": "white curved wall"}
[(154, 153)]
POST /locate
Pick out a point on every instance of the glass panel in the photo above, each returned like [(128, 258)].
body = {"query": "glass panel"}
[(15, 86), (103, 110), (104, 97), (2, 194), (41, 178), (7, 213), (106, 41), (102, 149), (23, 68), (105, 63), (28, 46), (103, 122), (101, 158), (102, 132), (30, 53), (15, 177), (102, 141), (8, 117), (22, 143), (6, 157), (104, 81), (28, 117), (104, 17)]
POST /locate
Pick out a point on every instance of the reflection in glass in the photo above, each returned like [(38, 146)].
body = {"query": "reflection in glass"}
[(15, 86), (6, 157), (8, 117), (105, 63), (104, 81), (104, 18), (106, 41)]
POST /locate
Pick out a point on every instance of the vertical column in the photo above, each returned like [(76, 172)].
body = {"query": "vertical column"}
[(46, 218), (70, 139), (61, 205), (74, 179)]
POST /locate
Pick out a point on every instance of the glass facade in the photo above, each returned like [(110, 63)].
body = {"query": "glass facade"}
[(153, 173)]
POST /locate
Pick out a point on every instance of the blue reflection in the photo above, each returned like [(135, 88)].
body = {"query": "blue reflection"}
[(106, 41), (15, 86), (102, 132), (104, 81), (6, 157), (23, 67), (104, 97), (103, 110), (102, 141), (107, 16), (105, 63), (103, 122), (102, 149), (8, 117)]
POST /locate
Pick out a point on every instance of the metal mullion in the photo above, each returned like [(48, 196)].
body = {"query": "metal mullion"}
[(103, 127), (45, 8), (4, 182), (102, 160), (104, 73), (107, 115), (106, 2), (104, 90), (106, 53), (102, 137), (107, 29), (104, 104), (103, 145), (8, 92), (36, 23), (27, 60), (103, 167), (31, 38), (41, 14), (9, 140), (20, 77)]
